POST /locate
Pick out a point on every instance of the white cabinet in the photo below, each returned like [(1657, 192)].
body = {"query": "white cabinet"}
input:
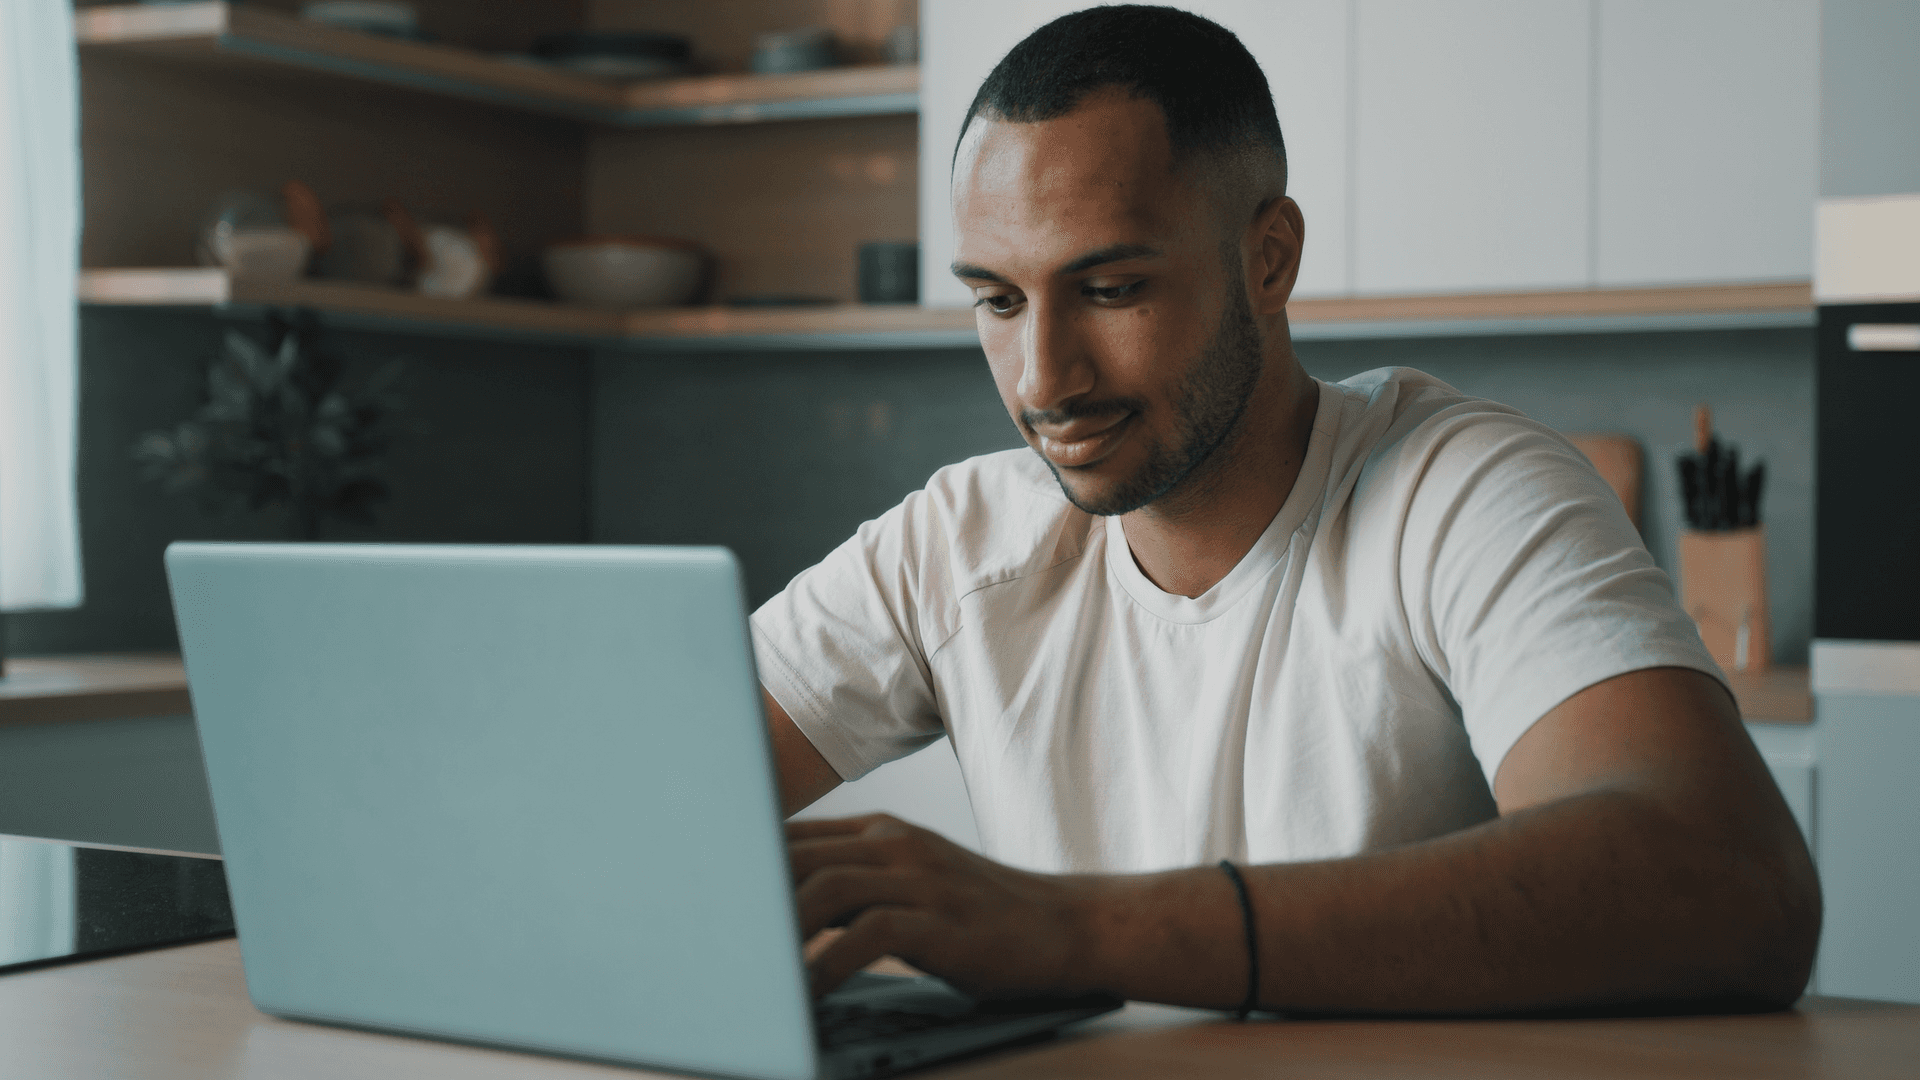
[(1471, 145), (137, 781), (1460, 146), (1707, 140), (1789, 751), (1300, 44), (1868, 822)]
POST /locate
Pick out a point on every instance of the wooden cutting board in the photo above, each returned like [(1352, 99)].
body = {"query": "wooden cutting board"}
[(1620, 461)]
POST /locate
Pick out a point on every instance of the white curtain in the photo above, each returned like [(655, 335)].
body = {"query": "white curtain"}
[(37, 893), (39, 258)]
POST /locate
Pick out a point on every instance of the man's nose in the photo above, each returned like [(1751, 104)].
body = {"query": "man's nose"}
[(1055, 367)]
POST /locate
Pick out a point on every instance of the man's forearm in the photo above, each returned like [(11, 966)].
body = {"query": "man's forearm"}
[(1598, 898)]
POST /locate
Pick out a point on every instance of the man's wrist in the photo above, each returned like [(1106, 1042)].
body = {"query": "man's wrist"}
[(1174, 936), (1083, 901)]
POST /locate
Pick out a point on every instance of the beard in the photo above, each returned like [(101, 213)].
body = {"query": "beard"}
[(1207, 409)]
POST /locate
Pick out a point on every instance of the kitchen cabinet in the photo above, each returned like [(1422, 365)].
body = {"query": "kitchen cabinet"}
[(133, 781), (101, 749), (1789, 751), (1471, 148), (1795, 779), (1707, 140), (1869, 860)]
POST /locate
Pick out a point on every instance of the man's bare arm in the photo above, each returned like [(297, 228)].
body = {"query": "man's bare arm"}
[(1642, 856), (804, 775)]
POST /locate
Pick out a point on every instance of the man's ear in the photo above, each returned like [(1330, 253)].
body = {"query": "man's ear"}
[(1276, 236)]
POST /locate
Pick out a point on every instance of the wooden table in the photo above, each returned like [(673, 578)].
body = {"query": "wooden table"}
[(183, 1014)]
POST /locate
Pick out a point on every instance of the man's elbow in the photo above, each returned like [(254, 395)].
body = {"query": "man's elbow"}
[(1781, 931)]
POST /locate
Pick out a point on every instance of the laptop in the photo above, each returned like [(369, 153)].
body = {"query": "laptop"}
[(524, 797)]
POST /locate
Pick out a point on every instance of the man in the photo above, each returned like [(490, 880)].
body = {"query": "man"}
[(1393, 653)]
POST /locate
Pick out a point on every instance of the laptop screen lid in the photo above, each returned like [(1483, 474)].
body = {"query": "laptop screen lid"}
[(512, 795)]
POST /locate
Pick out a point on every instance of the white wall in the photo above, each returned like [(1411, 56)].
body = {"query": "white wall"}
[(923, 788)]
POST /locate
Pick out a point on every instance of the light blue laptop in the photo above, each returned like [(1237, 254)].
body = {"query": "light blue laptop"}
[(523, 796)]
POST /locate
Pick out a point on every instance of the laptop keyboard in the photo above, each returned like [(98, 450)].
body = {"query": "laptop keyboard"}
[(840, 1023)]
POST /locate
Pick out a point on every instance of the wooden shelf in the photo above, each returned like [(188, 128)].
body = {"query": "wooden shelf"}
[(747, 99), (46, 689), (906, 326), (835, 326), (218, 33)]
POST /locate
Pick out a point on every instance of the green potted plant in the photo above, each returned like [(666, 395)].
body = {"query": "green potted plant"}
[(283, 427)]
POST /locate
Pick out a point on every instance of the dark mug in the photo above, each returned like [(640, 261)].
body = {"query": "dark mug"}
[(890, 272)]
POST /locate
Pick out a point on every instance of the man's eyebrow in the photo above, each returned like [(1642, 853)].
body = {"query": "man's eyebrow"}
[(1099, 257), (979, 273), (1110, 253)]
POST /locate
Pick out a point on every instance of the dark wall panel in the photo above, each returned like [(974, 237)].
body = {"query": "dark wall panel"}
[(779, 456), (494, 450)]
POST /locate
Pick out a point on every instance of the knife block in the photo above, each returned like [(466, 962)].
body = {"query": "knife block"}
[(1723, 585)]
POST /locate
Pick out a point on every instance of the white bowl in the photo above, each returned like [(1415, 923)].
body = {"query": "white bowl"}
[(456, 265), (624, 273)]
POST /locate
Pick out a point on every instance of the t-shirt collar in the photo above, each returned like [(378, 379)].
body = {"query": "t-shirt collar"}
[(1267, 554)]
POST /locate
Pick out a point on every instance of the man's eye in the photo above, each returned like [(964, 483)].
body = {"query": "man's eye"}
[(998, 303), (1111, 293)]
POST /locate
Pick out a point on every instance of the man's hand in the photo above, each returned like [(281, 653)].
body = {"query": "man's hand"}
[(903, 891)]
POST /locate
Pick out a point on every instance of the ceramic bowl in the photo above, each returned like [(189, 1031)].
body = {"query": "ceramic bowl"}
[(455, 263), (261, 252), (624, 272)]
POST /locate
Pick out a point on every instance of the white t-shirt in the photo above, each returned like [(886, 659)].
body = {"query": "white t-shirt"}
[(1443, 574)]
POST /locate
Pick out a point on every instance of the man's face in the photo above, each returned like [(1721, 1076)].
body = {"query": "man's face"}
[(1109, 298)]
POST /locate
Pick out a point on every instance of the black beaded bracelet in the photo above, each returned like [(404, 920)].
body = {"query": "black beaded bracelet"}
[(1253, 942)]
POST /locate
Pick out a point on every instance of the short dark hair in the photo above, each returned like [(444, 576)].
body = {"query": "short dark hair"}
[(1210, 89)]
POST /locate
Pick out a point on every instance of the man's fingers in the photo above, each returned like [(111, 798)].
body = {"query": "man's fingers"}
[(807, 857), (878, 932), (841, 891), (819, 827), (851, 826)]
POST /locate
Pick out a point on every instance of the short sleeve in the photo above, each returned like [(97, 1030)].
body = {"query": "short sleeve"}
[(843, 647), (1523, 580)]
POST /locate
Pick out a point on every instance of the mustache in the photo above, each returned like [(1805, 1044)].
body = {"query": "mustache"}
[(1082, 410)]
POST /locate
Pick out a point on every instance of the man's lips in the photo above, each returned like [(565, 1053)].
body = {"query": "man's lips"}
[(1082, 442)]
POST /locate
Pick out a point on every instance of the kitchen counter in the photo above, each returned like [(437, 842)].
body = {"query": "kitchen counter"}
[(105, 686)]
